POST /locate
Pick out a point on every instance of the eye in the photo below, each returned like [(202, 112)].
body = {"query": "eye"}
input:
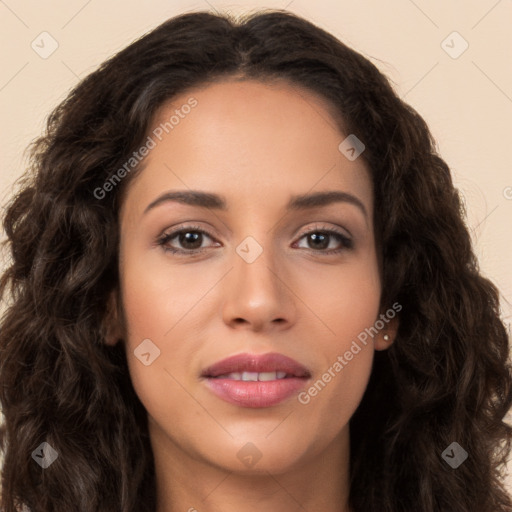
[(320, 238), (190, 238)]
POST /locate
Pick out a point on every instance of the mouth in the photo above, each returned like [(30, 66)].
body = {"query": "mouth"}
[(251, 380), (254, 376)]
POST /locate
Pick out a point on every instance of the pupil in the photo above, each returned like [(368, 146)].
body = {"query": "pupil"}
[(194, 239), (188, 240), (322, 238)]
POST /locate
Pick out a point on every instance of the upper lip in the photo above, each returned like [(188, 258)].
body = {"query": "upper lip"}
[(271, 362)]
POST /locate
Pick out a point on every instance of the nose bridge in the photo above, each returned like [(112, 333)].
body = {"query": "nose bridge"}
[(255, 265), (256, 250), (259, 260), (256, 293)]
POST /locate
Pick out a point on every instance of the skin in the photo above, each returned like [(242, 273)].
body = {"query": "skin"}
[(257, 144)]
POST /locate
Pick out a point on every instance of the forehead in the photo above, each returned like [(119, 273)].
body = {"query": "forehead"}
[(257, 142)]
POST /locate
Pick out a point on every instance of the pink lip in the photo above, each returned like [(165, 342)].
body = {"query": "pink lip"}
[(271, 362), (252, 393)]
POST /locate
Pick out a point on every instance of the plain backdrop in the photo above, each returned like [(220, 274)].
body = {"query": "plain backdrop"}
[(450, 60)]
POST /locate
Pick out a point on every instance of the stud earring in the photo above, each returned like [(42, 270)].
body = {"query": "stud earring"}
[(386, 337)]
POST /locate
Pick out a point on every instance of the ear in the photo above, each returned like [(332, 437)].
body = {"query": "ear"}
[(111, 328), (389, 331)]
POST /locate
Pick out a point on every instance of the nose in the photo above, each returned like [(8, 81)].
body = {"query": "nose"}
[(258, 296)]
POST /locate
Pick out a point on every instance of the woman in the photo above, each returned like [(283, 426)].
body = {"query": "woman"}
[(241, 280)]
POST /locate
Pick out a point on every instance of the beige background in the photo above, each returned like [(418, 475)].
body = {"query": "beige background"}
[(467, 101)]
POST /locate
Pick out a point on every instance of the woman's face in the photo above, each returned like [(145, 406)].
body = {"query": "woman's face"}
[(299, 282)]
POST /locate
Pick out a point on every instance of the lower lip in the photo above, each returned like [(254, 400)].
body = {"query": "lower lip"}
[(255, 394)]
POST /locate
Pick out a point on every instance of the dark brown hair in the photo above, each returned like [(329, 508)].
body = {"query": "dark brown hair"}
[(446, 378)]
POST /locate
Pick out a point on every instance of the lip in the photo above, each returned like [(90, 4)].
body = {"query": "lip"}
[(271, 362), (255, 393)]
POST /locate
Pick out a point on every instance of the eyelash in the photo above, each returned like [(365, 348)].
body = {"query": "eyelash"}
[(162, 241)]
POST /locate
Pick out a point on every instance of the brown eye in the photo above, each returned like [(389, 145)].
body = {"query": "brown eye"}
[(319, 240), (188, 240)]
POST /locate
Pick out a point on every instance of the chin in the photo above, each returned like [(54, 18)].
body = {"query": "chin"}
[(260, 455)]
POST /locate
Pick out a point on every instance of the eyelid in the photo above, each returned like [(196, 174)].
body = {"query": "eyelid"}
[(319, 226)]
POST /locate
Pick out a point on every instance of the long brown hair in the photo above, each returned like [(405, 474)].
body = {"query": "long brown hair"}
[(445, 379)]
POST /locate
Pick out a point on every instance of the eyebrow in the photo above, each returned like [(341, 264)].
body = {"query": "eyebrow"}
[(217, 202)]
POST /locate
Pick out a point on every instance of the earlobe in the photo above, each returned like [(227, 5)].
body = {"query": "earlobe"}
[(386, 337), (111, 326)]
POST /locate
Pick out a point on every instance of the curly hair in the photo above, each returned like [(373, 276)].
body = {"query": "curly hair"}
[(446, 377)]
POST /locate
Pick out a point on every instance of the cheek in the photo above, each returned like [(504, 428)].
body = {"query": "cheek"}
[(337, 389), (152, 308), (344, 298), (346, 303), (157, 296)]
